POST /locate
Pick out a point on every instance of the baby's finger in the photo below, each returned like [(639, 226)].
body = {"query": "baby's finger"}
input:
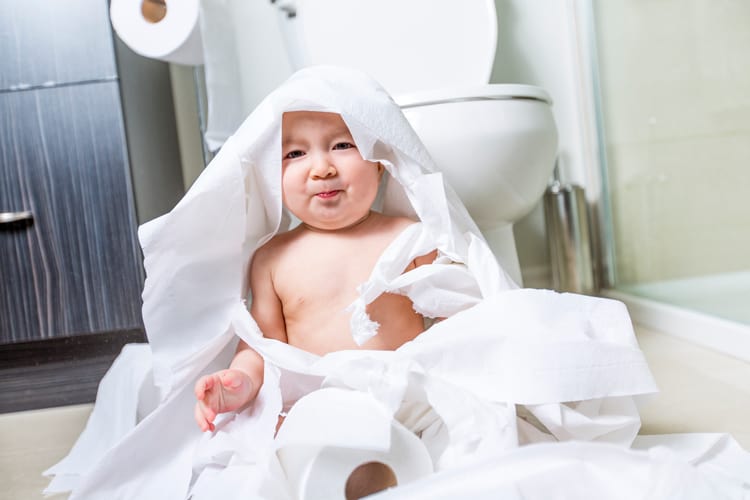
[(200, 388), (208, 416), (203, 385), (209, 412), (200, 419), (230, 380)]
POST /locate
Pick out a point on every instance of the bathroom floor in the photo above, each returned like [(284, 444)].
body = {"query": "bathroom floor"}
[(701, 391)]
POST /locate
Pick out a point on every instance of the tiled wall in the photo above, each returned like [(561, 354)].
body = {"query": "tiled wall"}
[(675, 82)]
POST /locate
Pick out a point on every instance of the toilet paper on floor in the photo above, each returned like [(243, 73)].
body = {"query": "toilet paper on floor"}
[(174, 38), (331, 432)]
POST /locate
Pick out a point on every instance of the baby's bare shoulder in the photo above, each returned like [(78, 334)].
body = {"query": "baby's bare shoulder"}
[(396, 223), (270, 251)]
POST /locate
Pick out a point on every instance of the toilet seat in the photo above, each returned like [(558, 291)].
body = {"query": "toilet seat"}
[(472, 93), (450, 43)]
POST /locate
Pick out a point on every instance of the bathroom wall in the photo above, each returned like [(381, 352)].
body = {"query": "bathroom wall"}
[(675, 76), (536, 45), (150, 126)]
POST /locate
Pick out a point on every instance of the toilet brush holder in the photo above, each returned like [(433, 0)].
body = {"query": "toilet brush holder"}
[(568, 235)]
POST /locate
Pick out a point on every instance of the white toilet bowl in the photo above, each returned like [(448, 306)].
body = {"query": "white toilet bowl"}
[(496, 144)]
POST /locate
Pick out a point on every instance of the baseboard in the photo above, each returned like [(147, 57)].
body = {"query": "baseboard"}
[(724, 336), (537, 276), (57, 372)]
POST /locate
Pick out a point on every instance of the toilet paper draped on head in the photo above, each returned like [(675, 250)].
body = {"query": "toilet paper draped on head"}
[(197, 256)]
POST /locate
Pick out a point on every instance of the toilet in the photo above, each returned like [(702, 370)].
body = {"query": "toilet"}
[(495, 143)]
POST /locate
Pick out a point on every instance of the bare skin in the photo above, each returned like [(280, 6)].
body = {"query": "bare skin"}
[(302, 280)]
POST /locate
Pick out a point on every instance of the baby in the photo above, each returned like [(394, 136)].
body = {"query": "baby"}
[(303, 279), (460, 387)]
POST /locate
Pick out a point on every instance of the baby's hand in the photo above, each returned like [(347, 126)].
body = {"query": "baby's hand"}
[(220, 392)]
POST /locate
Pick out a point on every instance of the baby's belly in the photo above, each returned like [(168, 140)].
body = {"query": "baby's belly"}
[(321, 329)]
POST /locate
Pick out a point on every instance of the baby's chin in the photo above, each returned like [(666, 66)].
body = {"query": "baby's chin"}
[(335, 226)]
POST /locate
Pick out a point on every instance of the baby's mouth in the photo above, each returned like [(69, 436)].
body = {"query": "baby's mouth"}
[(328, 194)]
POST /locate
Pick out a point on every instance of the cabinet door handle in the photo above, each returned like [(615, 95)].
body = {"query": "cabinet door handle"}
[(12, 217)]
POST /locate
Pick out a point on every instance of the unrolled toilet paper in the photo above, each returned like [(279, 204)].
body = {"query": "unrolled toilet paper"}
[(330, 432), (171, 33)]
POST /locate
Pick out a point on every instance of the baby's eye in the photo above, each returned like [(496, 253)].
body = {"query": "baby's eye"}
[(293, 154), (343, 145)]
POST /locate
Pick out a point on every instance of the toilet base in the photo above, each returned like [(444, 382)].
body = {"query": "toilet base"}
[(502, 242)]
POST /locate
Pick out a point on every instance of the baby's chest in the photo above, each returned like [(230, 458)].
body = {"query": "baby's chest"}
[(325, 278)]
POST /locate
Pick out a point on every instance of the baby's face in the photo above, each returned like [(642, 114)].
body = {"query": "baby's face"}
[(325, 181)]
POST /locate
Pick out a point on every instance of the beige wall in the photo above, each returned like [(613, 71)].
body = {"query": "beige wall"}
[(675, 82)]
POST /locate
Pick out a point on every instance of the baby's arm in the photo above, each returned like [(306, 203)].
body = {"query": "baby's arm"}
[(422, 260), (231, 389)]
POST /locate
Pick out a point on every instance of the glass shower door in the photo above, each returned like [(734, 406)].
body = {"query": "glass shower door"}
[(675, 110)]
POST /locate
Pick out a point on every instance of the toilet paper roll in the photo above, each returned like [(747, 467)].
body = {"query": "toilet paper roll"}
[(332, 432), (168, 30)]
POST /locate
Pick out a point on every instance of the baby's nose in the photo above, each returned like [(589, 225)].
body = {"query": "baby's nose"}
[(322, 169)]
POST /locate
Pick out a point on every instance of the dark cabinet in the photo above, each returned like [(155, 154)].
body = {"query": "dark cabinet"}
[(63, 157), (76, 268)]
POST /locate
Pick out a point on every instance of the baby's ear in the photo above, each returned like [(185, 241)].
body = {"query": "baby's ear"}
[(381, 169)]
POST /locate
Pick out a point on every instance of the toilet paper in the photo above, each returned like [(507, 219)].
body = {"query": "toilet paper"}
[(331, 432), (221, 64), (168, 30)]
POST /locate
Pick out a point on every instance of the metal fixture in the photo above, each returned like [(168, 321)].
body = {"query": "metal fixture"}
[(16, 217), (567, 219)]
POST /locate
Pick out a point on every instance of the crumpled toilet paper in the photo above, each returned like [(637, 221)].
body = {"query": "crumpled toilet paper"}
[(506, 367)]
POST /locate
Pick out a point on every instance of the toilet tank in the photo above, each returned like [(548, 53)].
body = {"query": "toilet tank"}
[(407, 45)]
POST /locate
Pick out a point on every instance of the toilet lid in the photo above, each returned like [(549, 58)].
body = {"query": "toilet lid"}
[(406, 45), (472, 93)]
